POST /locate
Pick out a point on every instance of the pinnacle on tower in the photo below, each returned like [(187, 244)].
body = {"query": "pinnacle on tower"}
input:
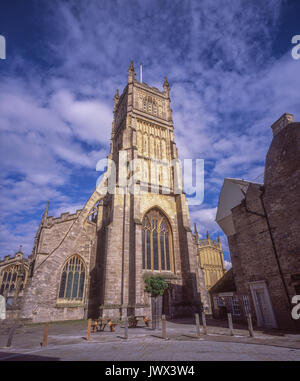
[(207, 235), (45, 215), (166, 85), (196, 232), (131, 66), (116, 99), (131, 72)]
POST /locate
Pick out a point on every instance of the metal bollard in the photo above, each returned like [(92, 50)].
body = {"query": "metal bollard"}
[(45, 338), (164, 327), (197, 325), (10, 335), (204, 323), (230, 324), (126, 328), (250, 325), (89, 330)]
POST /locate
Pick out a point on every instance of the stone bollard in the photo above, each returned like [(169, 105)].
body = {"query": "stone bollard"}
[(164, 327), (250, 326), (10, 335), (45, 338), (204, 323), (197, 325), (126, 328), (230, 324), (88, 336)]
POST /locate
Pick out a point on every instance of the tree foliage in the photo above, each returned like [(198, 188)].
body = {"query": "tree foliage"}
[(155, 285)]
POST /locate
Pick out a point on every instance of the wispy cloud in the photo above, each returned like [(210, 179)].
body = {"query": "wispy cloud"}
[(228, 265), (228, 85)]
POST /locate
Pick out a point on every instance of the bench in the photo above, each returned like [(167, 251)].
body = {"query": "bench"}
[(133, 320), (101, 323)]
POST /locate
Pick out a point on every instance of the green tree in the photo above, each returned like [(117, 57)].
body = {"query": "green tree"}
[(155, 285)]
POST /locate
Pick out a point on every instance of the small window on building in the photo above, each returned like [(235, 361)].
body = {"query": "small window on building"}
[(236, 311), (246, 304), (221, 302), (9, 301)]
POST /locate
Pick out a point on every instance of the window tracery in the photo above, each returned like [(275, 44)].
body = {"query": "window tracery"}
[(157, 249), (9, 278), (72, 279)]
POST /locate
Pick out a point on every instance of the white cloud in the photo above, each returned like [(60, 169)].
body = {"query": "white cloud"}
[(228, 265), (226, 90), (90, 120), (205, 220), (11, 239)]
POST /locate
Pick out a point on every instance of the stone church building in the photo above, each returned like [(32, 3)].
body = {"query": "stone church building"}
[(210, 259), (93, 262)]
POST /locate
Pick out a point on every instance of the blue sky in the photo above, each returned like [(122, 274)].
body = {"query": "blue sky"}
[(231, 73)]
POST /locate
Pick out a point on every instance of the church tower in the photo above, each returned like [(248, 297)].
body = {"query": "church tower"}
[(135, 223), (210, 258), (144, 231)]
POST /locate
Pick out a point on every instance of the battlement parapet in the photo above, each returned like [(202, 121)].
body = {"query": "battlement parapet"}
[(66, 216), (11, 258), (208, 242), (282, 122), (147, 87)]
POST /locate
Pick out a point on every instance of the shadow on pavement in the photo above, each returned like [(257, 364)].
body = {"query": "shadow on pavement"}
[(9, 356)]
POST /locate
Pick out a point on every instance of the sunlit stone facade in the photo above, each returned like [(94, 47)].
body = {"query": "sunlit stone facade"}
[(120, 237)]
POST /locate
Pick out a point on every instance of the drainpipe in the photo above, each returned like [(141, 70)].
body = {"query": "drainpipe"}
[(274, 247), (265, 215)]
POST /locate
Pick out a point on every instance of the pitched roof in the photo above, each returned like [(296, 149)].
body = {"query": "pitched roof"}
[(232, 193)]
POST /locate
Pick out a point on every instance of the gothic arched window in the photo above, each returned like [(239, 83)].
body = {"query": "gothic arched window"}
[(72, 279), (9, 277), (157, 242)]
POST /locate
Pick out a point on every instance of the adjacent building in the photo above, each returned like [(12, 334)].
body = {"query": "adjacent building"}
[(262, 224), (210, 258), (13, 278)]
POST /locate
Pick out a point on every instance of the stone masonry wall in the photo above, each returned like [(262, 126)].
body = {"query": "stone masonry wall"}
[(252, 252)]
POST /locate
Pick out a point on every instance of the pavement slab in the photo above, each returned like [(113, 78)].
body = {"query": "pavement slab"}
[(67, 341)]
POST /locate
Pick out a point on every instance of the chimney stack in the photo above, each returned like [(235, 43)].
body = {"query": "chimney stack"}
[(282, 122)]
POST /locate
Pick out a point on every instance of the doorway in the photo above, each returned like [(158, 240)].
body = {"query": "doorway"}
[(262, 304)]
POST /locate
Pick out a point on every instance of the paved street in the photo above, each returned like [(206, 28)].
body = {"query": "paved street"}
[(148, 349), (67, 341)]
